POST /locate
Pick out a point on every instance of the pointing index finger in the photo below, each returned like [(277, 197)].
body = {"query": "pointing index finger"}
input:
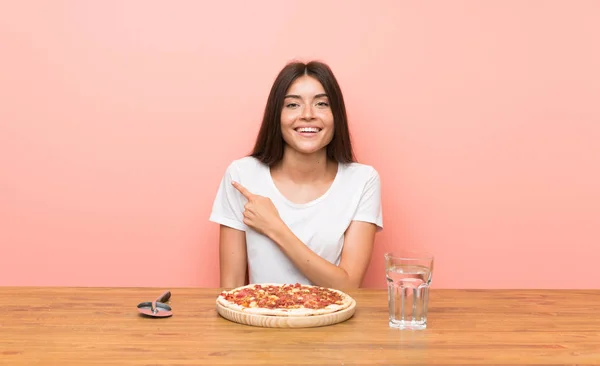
[(242, 190)]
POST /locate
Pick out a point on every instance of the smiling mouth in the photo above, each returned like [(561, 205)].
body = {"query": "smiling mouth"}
[(307, 129)]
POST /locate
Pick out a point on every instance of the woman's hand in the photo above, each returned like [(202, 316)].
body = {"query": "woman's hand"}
[(260, 213)]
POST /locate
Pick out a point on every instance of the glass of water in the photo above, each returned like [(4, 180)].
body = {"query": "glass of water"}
[(408, 277)]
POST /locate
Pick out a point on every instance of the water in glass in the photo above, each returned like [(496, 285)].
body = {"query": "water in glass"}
[(408, 293)]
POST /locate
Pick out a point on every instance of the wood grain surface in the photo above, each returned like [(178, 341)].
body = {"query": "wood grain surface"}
[(101, 326)]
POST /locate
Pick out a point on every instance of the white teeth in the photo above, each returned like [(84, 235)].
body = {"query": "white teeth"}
[(308, 129)]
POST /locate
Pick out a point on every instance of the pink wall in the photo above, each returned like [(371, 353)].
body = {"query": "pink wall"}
[(117, 120)]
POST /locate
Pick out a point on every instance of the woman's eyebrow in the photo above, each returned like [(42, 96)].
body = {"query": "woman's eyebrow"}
[(322, 95)]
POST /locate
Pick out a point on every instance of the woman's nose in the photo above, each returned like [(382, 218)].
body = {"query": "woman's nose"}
[(308, 112)]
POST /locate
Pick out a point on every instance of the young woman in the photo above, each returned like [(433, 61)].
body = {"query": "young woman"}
[(299, 208)]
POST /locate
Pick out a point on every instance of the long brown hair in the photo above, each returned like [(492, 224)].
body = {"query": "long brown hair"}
[(269, 142)]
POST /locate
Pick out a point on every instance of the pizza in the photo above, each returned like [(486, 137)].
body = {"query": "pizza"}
[(284, 300)]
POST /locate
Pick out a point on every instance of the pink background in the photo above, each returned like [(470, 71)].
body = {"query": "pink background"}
[(118, 119)]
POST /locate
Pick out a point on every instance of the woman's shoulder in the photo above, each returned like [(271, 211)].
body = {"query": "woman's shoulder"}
[(361, 171), (246, 164)]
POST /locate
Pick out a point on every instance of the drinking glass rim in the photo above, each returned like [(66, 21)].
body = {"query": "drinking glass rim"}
[(409, 255)]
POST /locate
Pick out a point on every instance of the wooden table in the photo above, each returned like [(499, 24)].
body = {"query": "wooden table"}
[(81, 326)]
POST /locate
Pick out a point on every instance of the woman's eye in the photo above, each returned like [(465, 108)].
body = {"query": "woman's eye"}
[(291, 105), (323, 104)]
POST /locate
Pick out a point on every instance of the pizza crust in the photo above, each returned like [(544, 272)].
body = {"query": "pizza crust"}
[(332, 308)]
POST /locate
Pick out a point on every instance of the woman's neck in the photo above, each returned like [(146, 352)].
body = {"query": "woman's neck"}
[(302, 168)]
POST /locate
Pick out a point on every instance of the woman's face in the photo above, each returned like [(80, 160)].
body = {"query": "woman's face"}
[(306, 118)]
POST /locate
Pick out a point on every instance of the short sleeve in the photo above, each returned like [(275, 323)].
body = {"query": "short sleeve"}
[(369, 206), (228, 207)]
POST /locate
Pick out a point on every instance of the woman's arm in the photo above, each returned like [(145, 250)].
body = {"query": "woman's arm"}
[(261, 214), (358, 246), (232, 257)]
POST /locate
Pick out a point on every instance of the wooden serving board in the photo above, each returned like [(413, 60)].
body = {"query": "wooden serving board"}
[(268, 321)]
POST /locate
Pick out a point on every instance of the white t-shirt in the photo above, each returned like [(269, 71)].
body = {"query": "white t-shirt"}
[(355, 194)]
